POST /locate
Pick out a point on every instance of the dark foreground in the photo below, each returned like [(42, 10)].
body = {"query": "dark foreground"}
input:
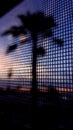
[(16, 112)]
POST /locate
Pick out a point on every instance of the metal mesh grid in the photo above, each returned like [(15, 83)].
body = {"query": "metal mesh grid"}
[(56, 65), (54, 68)]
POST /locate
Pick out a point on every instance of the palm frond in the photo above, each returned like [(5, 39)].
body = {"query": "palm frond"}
[(15, 31), (37, 22), (11, 48), (58, 41)]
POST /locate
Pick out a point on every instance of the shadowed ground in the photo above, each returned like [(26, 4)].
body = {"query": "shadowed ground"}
[(15, 111)]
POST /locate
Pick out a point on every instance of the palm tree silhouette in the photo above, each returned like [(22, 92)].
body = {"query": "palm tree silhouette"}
[(38, 25)]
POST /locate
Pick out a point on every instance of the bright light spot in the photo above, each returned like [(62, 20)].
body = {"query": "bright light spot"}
[(22, 38)]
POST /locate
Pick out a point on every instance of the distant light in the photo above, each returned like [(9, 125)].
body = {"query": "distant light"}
[(22, 38), (23, 89)]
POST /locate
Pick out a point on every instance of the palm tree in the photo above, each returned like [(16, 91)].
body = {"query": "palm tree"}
[(36, 24)]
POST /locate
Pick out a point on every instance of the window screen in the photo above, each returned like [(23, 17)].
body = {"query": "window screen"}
[(56, 66), (54, 69)]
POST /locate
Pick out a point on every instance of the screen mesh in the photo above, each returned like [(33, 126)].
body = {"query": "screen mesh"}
[(54, 63), (55, 67)]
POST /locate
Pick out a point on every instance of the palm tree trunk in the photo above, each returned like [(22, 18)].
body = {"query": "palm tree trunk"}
[(34, 83)]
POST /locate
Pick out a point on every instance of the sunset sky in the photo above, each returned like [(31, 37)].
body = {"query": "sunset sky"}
[(57, 62)]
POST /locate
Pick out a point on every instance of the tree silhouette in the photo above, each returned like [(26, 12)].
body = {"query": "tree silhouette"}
[(9, 74), (38, 25), (15, 31)]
